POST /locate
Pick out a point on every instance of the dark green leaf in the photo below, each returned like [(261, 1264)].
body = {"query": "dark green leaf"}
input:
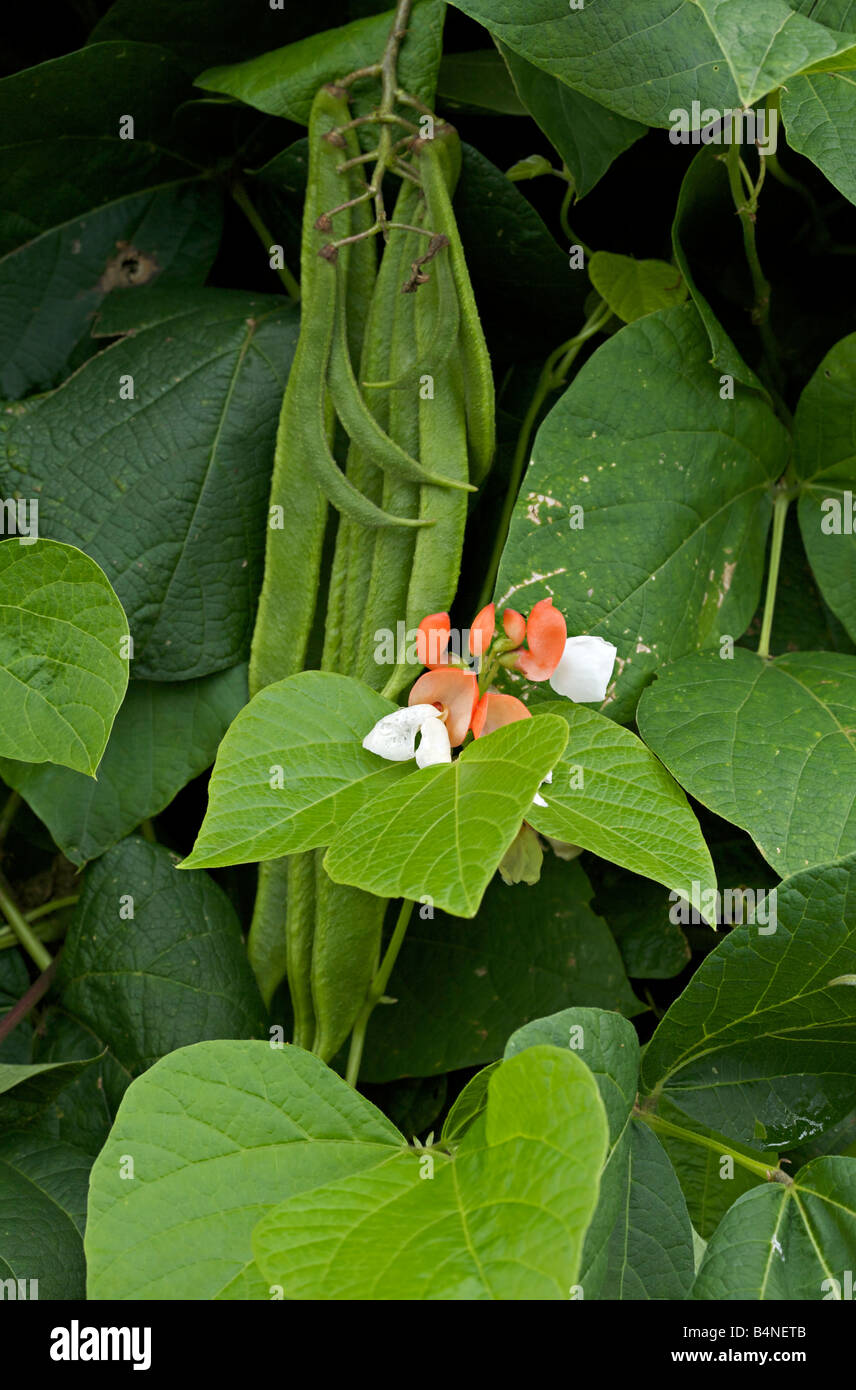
[(173, 973)]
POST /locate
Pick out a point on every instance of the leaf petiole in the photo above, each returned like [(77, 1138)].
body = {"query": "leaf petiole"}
[(688, 1136), (376, 992)]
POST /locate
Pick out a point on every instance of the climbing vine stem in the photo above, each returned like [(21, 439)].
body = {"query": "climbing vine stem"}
[(780, 512)]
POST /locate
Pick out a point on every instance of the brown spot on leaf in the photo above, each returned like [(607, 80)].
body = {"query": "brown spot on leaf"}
[(128, 268)]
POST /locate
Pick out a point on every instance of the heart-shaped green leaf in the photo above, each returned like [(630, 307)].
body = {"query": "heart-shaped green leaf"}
[(218, 1133), (793, 1242), (650, 1252), (762, 1042), (292, 770), (610, 795), (819, 112), (42, 1213), (165, 733), (639, 1244), (155, 459), (769, 745), (644, 510), (442, 832), (634, 288), (587, 135), (62, 668), (154, 959), (825, 460), (429, 1225), (284, 81), (645, 60)]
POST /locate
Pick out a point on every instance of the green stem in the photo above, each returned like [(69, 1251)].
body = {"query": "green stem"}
[(242, 198), (18, 922), (376, 991), (48, 929), (147, 831), (552, 377), (688, 1136), (55, 905), (7, 815), (747, 212), (780, 511)]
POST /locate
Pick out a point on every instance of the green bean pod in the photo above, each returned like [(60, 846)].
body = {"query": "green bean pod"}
[(288, 599), (345, 952), (385, 601), (360, 424), (439, 166)]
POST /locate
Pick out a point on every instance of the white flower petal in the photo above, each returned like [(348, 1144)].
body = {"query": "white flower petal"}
[(394, 736), (434, 746), (585, 669), (538, 799)]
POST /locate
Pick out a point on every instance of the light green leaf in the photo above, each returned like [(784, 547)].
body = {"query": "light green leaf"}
[(819, 112), (164, 735), (292, 770), (284, 81), (825, 462), (634, 288), (673, 482), (651, 1254), (608, 1045), (62, 671), (463, 1235), (767, 744), (610, 795), (167, 490), (644, 60), (793, 1243), (443, 831), (154, 960), (219, 1132), (469, 1104), (587, 135), (461, 991), (760, 1040)]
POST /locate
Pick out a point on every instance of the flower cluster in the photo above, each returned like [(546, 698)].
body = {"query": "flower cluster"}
[(453, 697)]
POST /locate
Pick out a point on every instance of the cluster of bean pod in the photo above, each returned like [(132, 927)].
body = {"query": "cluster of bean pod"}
[(392, 358)]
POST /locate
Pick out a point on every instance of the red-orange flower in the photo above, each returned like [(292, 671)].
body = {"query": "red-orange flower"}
[(546, 631), (454, 692), (432, 640), (481, 632), (514, 626), (494, 710)]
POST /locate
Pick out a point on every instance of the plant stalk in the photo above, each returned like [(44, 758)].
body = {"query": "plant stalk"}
[(248, 208), (18, 922), (761, 1170), (780, 512), (376, 991)]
